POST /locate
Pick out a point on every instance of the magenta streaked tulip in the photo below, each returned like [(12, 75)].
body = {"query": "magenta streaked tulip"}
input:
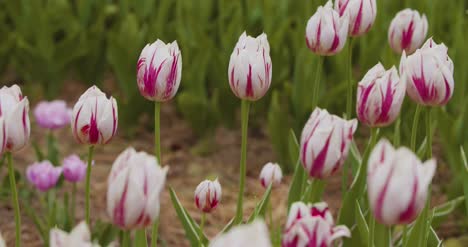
[(271, 174), (397, 183), (326, 31), (43, 175), (407, 31), (80, 236), (325, 143), (94, 117), (380, 95), (361, 13), (312, 225), (52, 114), (254, 234), (14, 109), (135, 177), (250, 67), (208, 195), (428, 73), (74, 169), (159, 71)]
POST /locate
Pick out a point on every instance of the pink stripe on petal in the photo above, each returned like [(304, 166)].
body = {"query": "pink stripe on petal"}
[(357, 22), (249, 87), (378, 207), (387, 101), (362, 110), (407, 36), (319, 163)]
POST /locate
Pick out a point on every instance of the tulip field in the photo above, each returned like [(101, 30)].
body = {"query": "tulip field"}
[(221, 123)]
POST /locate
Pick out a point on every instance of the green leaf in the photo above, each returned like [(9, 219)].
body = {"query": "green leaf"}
[(52, 150), (295, 191), (228, 226), (445, 209), (465, 177), (104, 233), (260, 209), (433, 239), (362, 224)]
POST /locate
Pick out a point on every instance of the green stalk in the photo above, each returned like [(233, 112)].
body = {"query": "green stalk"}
[(318, 74), (202, 223), (414, 131), (14, 193), (157, 152), (318, 186), (429, 133), (371, 231), (425, 213), (140, 238), (88, 183), (126, 239), (72, 206), (349, 98), (243, 166)]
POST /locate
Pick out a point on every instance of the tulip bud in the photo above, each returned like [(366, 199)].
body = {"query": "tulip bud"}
[(361, 13), (326, 31), (428, 73), (325, 142), (250, 67), (407, 31), (312, 225), (159, 71), (134, 187), (254, 234), (52, 115), (43, 175), (271, 174), (208, 195), (94, 117), (397, 183), (80, 236), (74, 169), (380, 95), (14, 109)]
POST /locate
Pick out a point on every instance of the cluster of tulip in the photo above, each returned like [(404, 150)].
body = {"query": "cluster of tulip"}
[(397, 181)]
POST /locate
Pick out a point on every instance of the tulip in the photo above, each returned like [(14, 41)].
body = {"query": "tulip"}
[(326, 31), (362, 14), (52, 115), (325, 143), (397, 183), (80, 236), (43, 175), (208, 195), (312, 225), (3, 136), (271, 174), (254, 234), (94, 117), (250, 67), (380, 96), (428, 73), (14, 108), (407, 31), (159, 70), (135, 177), (74, 169)]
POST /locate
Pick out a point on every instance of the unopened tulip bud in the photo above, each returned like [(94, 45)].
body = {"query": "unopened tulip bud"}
[(428, 74), (326, 31), (397, 183), (80, 236), (74, 169), (254, 234), (94, 117), (407, 31), (43, 175), (380, 95), (361, 13), (300, 210), (134, 188), (271, 174), (250, 67), (14, 109), (208, 195), (52, 115), (159, 71), (325, 142)]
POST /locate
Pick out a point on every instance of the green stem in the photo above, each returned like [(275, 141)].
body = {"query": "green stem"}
[(349, 98), (14, 193), (414, 131), (425, 213), (202, 223), (270, 216), (318, 74), (318, 186), (405, 235), (243, 166), (429, 133), (371, 231), (88, 184), (72, 206), (126, 239), (157, 152), (140, 238), (396, 133)]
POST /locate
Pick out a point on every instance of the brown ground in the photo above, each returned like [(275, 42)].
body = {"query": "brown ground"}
[(186, 171)]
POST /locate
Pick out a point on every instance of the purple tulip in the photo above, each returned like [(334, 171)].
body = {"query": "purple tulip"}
[(52, 114), (74, 169), (43, 175)]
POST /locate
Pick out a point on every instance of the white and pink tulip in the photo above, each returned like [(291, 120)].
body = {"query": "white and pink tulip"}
[(361, 13), (250, 67), (325, 142), (326, 31), (407, 31), (208, 195), (159, 71), (397, 183), (271, 174), (135, 177), (254, 234), (380, 95), (94, 117)]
